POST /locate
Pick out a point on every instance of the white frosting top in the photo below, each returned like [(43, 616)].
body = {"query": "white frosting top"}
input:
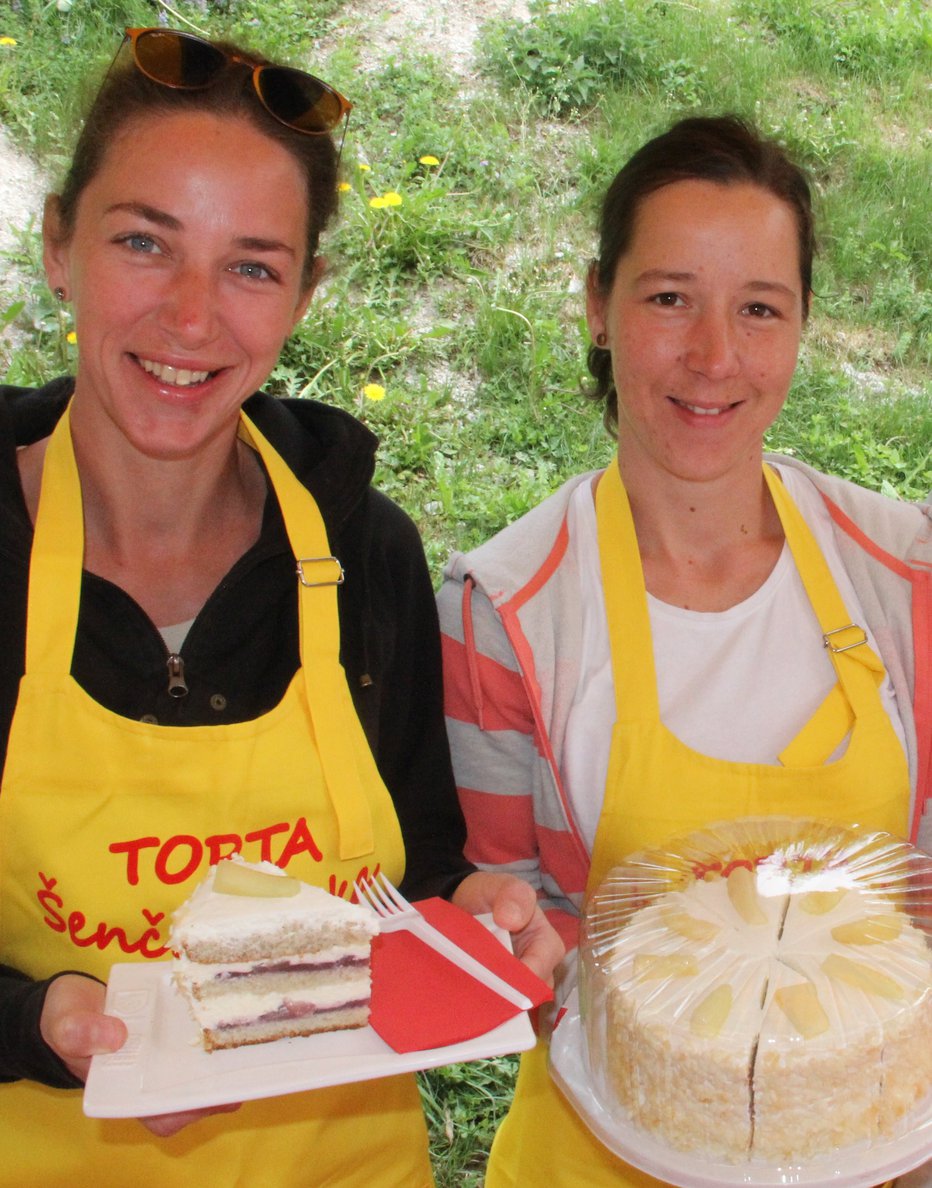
[(209, 915), (788, 946)]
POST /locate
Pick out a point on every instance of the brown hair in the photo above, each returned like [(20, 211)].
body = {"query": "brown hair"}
[(721, 149), (127, 94)]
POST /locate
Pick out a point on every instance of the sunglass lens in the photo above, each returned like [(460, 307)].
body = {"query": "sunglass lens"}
[(176, 59), (298, 99)]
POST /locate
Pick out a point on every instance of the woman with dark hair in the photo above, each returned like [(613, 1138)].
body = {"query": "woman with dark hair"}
[(219, 637), (699, 632)]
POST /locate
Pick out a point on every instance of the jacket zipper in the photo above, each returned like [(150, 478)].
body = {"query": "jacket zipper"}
[(177, 686)]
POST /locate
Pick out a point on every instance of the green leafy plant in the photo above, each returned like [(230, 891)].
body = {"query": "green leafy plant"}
[(872, 39)]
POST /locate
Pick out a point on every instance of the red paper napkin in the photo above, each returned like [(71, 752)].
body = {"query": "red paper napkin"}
[(421, 1000)]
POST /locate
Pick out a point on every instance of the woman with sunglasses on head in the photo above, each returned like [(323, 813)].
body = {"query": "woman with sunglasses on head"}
[(696, 633), (171, 689)]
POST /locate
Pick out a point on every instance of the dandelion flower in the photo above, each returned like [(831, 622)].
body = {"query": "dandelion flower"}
[(374, 392), (344, 187), (7, 41), (429, 159), (71, 337), (392, 198), (378, 202), (364, 168)]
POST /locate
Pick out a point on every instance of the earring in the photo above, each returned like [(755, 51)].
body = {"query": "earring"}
[(601, 339), (60, 293)]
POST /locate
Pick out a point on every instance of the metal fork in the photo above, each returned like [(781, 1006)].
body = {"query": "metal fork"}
[(396, 912)]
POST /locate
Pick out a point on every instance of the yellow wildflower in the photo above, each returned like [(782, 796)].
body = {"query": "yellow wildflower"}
[(392, 198), (429, 159), (364, 168), (71, 337), (7, 41), (378, 202), (344, 187), (374, 392)]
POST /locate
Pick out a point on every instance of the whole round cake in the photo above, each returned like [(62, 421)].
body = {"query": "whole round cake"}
[(763, 990)]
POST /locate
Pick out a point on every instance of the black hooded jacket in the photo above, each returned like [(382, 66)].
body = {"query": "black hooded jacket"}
[(242, 649)]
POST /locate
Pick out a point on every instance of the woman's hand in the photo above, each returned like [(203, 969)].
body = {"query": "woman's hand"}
[(514, 907), (74, 1026), (165, 1125)]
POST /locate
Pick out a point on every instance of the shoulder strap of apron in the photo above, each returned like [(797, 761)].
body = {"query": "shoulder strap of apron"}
[(850, 653), (628, 618), (56, 559), (333, 716)]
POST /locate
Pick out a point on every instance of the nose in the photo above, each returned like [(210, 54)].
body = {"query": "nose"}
[(712, 349), (188, 308)]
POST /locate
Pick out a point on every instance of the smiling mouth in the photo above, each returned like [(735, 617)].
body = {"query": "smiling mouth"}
[(178, 377), (705, 412)]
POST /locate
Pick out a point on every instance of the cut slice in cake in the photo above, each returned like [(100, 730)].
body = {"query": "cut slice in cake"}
[(260, 956)]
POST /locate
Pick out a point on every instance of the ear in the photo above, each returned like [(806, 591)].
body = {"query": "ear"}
[(596, 302), (55, 243), (304, 300)]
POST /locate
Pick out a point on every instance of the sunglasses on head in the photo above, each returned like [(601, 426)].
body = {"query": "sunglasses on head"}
[(189, 63)]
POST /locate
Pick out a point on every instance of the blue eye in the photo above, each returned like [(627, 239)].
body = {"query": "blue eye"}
[(140, 243), (252, 270)]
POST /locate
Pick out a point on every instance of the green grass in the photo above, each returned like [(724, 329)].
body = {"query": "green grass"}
[(463, 1104), (464, 301)]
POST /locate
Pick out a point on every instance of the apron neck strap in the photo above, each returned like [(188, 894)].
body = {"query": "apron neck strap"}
[(626, 599), (318, 574), (55, 592), (625, 595), (846, 642), (56, 559)]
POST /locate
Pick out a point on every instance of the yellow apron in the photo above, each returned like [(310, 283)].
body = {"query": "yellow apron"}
[(657, 788), (107, 824)]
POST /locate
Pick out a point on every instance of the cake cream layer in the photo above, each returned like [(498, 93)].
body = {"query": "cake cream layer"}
[(332, 958), (273, 981), (299, 999)]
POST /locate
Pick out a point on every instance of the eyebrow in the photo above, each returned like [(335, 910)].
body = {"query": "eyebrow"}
[(652, 275), (142, 210), (767, 286), (161, 218), (662, 274)]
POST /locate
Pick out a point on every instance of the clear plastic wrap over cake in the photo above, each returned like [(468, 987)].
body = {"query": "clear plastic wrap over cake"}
[(761, 991)]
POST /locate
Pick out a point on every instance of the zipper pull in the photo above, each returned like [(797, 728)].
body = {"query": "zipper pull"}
[(176, 682)]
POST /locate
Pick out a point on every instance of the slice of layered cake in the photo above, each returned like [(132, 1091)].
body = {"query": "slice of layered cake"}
[(259, 956)]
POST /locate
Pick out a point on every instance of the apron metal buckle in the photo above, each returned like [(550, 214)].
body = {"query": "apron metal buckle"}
[(844, 647), (335, 580)]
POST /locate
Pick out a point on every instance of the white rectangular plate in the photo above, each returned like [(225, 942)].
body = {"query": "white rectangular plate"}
[(162, 1068)]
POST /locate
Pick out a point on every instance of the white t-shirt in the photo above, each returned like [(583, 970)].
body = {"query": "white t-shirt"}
[(175, 635), (737, 685)]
